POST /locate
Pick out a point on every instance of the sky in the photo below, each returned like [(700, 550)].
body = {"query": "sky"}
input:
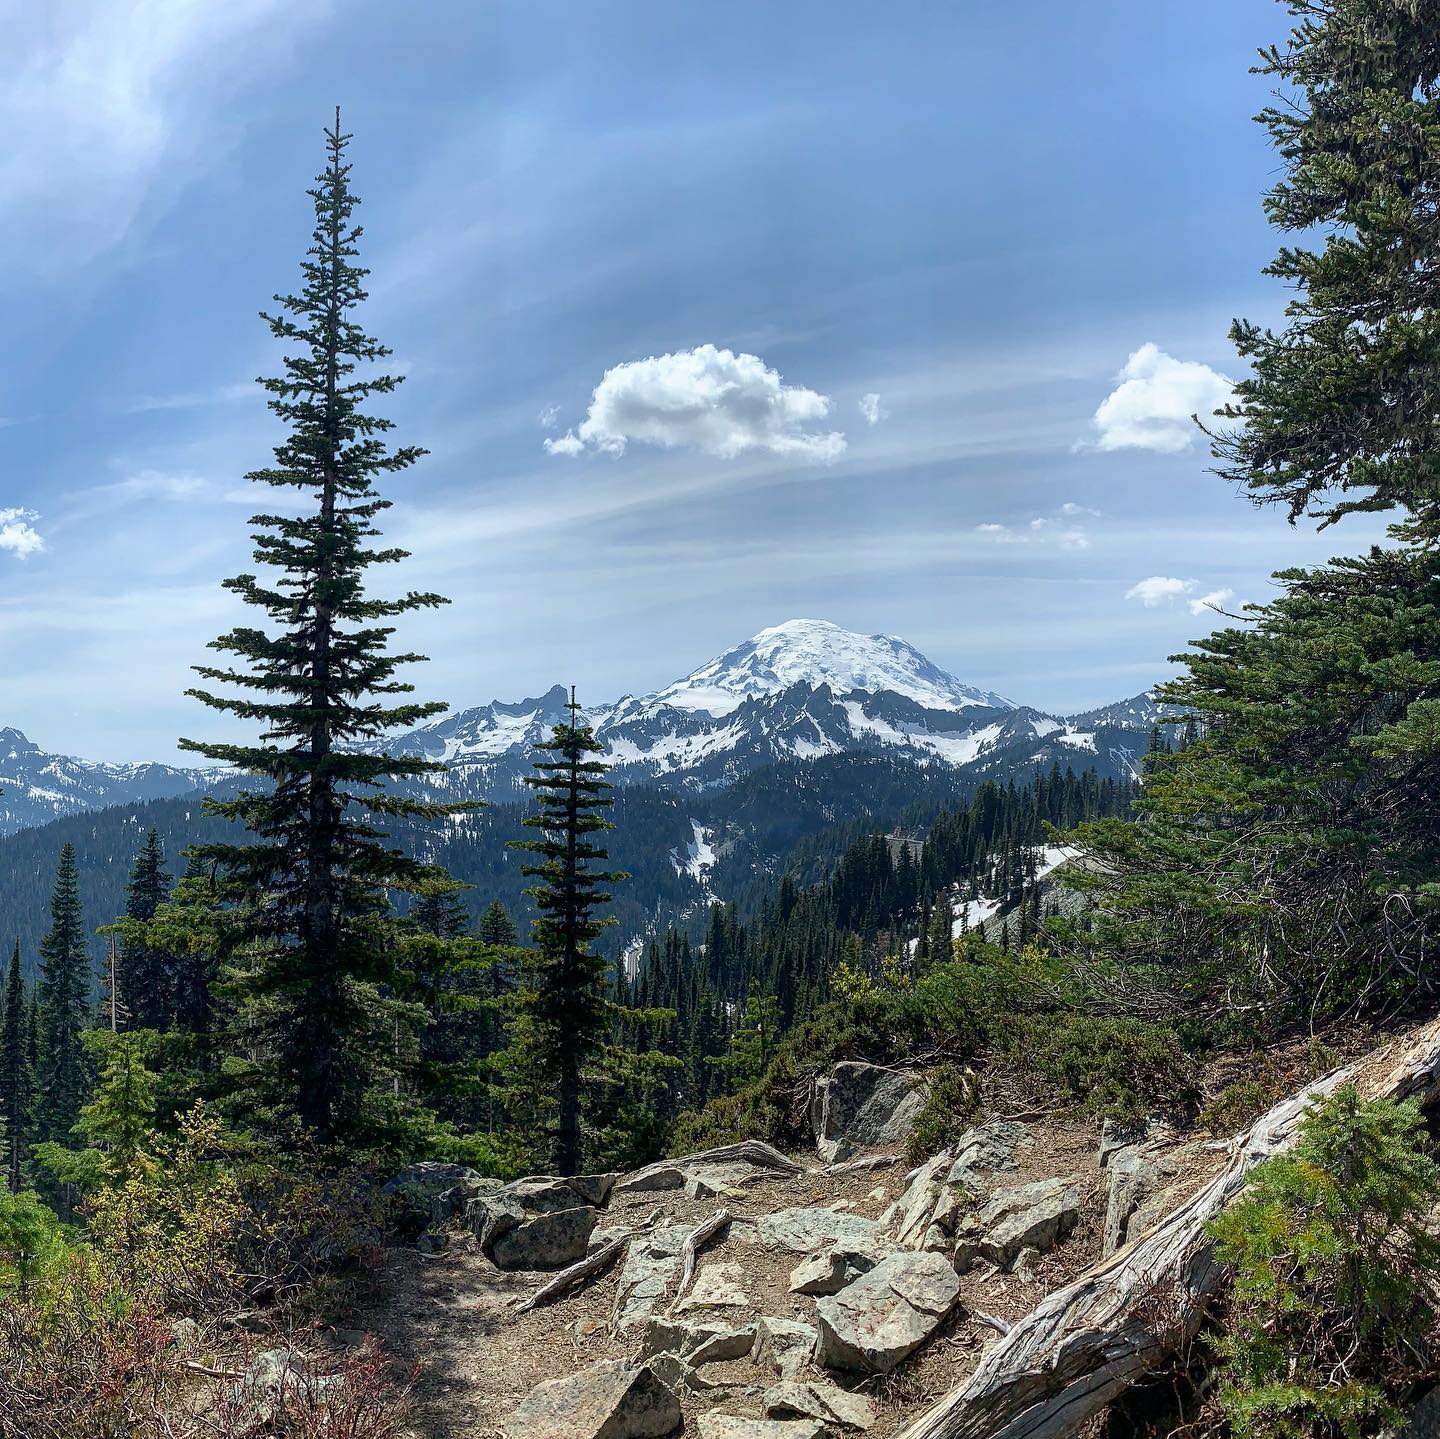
[(711, 317)]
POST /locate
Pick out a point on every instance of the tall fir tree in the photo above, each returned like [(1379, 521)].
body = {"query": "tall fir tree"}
[(15, 1076), (566, 992), (496, 927), (147, 972), (312, 887), (65, 991)]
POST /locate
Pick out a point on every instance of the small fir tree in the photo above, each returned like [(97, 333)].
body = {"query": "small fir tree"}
[(15, 1076), (147, 972), (565, 991), (65, 990), (496, 927)]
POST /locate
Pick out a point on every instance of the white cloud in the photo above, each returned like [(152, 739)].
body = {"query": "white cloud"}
[(1215, 600), (1160, 590), (871, 410), (1151, 407), (707, 399), (549, 417), (1042, 530), (1071, 510), (18, 534)]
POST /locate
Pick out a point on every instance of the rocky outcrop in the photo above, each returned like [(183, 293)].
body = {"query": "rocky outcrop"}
[(609, 1400), (829, 1271), (784, 1345), (539, 1223), (652, 1266), (828, 1403), (712, 1171), (864, 1106), (885, 1315), (1031, 1218), (803, 1230), (700, 1341), (1140, 1163), (427, 1194)]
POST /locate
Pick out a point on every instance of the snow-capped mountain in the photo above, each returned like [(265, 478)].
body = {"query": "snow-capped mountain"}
[(798, 691), (36, 787)]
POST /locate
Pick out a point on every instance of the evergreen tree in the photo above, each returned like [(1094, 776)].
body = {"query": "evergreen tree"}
[(1338, 408), (65, 990), (496, 926), (15, 1076), (147, 973), (565, 995), (312, 887)]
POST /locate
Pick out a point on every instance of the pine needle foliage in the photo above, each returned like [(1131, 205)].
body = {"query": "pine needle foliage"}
[(1333, 1305), (1339, 412), (321, 681)]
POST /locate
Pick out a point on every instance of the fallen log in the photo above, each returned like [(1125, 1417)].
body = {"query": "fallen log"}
[(747, 1151), (701, 1234), (583, 1269), (1086, 1343)]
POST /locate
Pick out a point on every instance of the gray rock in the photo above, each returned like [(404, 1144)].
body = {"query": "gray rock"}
[(700, 1340), (736, 1426), (607, 1234), (609, 1400), (430, 1193), (874, 1323), (802, 1230), (544, 1241), (1424, 1420), (717, 1286), (1030, 1216), (784, 1345), (1136, 1174), (654, 1178), (864, 1106), (432, 1243), (185, 1335), (652, 1265), (273, 1377), (986, 1150), (831, 1270), (817, 1400)]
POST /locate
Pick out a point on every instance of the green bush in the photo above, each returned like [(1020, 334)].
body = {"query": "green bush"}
[(947, 1110), (1332, 1311)]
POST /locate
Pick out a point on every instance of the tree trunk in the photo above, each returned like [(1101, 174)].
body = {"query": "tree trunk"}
[(1085, 1343)]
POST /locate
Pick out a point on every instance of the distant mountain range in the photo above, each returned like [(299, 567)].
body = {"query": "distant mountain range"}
[(801, 691)]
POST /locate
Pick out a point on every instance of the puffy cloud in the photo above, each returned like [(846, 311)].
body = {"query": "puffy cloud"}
[(870, 409), (1151, 407), (708, 399), (1215, 600), (18, 534), (1160, 590)]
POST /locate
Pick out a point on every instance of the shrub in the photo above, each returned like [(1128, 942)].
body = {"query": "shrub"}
[(947, 1110), (1332, 1306)]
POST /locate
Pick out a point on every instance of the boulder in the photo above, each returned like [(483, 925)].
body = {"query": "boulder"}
[(432, 1243), (874, 1323), (986, 1150), (736, 1426), (1424, 1420), (864, 1106), (430, 1193), (701, 1341), (784, 1345), (1029, 1216), (1136, 1175), (832, 1269), (826, 1402), (544, 1241), (652, 1265), (271, 1378), (802, 1230), (654, 1178), (717, 1286), (609, 1400)]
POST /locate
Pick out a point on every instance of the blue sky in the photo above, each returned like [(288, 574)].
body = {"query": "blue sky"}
[(976, 215)]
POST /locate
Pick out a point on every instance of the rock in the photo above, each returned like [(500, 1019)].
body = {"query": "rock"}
[(185, 1335), (1135, 1176), (701, 1341), (1424, 1421), (652, 1265), (432, 1243), (985, 1150), (607, 1234), (736, 1426), (831, 1270), (609, 1400), (717, 1286), (653, 1178), (864, 1106), (784, 1345), (872, 1325), (430, 1193), (827, 1402), (1030, 1216), (544, 1241), (271, 1377), (802, 1230)]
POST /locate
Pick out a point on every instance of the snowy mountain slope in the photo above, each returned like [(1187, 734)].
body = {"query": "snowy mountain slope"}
[(36, 787), (802, 690)]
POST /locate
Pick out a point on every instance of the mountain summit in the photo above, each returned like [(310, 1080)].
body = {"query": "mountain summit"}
[(817, 652)]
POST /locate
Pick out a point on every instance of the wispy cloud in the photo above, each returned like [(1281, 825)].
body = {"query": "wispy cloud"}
[(108, 104), (871, 410)]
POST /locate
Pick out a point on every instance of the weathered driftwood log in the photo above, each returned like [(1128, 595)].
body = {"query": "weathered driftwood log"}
[(577, 1273), (747, 1151), (1085, 1343), (701, 1234)]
